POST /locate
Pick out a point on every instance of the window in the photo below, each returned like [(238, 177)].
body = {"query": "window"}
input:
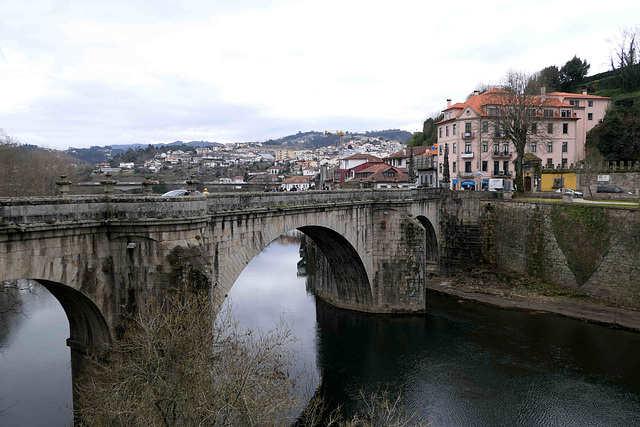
[(440, 167), (564, 163), (440, 147), (590, 103), (467, 128), (565, 128), (485, 166), (534, 147), (467, 167), (549, 127), (589, 116), (467, 148), (565, 113), (447, 131), (576, 103), (454, 166), (549, 163), (485, 146), (534, 128), (440, 130), (496, 167), (505, 166), (565, 147), (454, 128), (549, 147), (505, 147), (492, 111), (454, 148), (497, 130), (547, 113), (496, 147), (485, 127)]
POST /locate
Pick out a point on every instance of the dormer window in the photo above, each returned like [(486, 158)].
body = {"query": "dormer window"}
[(565, 113)]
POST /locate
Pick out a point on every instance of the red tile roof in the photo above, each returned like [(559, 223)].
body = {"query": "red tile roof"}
[(298, 179), (376, 174), (496, 96), (367, 157)]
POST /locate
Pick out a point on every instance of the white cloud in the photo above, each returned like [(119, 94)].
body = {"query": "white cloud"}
[(87, 73)]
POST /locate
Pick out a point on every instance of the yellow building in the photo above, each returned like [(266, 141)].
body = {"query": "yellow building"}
[(548, 180), (284, 154)]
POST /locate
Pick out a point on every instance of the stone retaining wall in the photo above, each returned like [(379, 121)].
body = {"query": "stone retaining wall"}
[(588, 248)]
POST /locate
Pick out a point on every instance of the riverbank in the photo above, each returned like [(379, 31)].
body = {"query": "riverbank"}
[(520, 294)]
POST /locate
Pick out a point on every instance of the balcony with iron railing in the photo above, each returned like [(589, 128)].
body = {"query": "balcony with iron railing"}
[(501, 174), (499, 153)]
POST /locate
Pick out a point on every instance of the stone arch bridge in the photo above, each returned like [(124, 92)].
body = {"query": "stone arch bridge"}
[(100, 256)]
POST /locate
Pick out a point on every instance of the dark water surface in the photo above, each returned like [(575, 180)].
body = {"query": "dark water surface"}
[(463, 364), (35, 371)]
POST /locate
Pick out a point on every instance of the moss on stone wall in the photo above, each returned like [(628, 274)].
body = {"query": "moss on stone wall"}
[(582, 232)]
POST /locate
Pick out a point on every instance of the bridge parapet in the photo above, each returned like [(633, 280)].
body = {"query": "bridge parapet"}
[(52, 210), (239, 201)]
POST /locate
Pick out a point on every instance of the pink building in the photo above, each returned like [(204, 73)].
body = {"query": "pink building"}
[(478, 149)]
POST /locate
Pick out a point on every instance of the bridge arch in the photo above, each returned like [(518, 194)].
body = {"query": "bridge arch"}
[(431, 242), (238, 241), (88, 329), (350, 281)]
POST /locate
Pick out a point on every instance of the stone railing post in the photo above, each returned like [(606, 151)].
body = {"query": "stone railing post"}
[(63, 186), (108, 184), (192, 184), (567, 197), (148, 186)]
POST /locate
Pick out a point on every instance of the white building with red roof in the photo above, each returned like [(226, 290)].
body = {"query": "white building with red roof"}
[(297, 183)]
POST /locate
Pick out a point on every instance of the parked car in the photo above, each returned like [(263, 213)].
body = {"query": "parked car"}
[(181, 192), (570, 191), (612, 189)]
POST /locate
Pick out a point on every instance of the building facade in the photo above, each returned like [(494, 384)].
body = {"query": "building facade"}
[(479, 150)]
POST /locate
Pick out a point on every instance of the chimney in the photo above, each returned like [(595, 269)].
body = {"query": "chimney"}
[(448, 103), (584, 91), (476, 92), (543, 93)]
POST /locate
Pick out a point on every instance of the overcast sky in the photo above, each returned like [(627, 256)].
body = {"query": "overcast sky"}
[(82, 73)]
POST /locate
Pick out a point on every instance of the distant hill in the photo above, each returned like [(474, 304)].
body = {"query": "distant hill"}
[(97, 154)]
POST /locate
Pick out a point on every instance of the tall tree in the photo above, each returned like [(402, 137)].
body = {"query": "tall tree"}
[(550, 78), (573, 73), (517, 110), (428, 135), (625, 57)]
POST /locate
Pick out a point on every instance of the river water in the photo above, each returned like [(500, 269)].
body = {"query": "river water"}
[(462, 364)]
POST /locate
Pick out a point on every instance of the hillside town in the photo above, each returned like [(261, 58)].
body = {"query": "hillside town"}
[(356, 161), (472, 152)]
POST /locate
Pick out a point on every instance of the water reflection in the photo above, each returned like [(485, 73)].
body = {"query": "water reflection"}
[(461, 363), (468, 364), (272, 288), (34, 361)]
